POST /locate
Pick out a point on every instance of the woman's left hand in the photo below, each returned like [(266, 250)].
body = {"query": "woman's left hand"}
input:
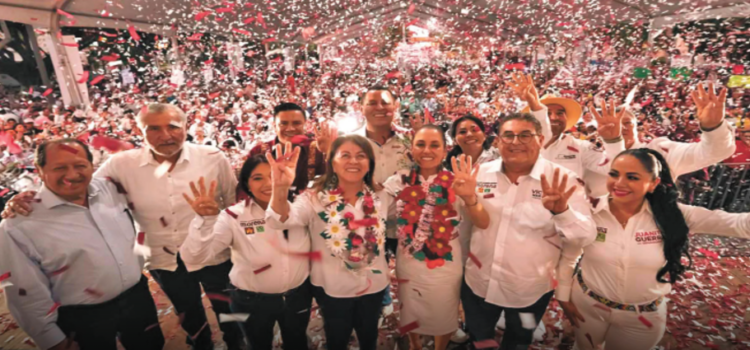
[(465, 181)]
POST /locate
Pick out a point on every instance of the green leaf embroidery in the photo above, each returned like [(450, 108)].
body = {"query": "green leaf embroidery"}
[(402, 221), (448, 256), (436, 189), (422, 202), (419, 255), (341, 207), (455, 223), (377, 272), (440, 201), (323, 217)]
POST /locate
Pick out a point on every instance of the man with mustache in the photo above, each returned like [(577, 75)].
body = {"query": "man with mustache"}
[(289, 122), (68, 269), (153, 179)]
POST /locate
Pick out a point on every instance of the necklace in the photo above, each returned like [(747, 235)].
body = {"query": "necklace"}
[(357, 252), (426, 218)]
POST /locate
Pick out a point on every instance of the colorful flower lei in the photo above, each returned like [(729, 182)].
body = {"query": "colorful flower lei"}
[(427, 220), (356, 252)]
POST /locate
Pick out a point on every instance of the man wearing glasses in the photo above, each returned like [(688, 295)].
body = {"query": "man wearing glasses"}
[(512, 261)]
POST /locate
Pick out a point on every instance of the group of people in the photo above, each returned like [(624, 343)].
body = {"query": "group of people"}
[(493, 221)]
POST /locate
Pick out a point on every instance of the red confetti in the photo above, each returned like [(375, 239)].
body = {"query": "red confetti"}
[(363, 291), (645, 321), (163, 221), (5, 276), (602, 307), (68, 148), (166, 250), (84, 77), (571, 148), (411, 9), (29, 342), (218, 297), (249, 20), (475, 260), (195, 37), (201, 15), (603, 163), (97, 79), (199, 331), (214, 95), (110, 58), (70, 44), (401, 280), (93, 292), (264, 268), (408, 328), (4, 192), (133, 33), (301, 140), (47, 92), (231, 213), (414, 21), (224, 10), (63, 13), (486, 344), (241, 31), (54, 307), (141, 237), (59, 271), (151, 327), (313, 256), (428, 115), (120, 188), (269, 40)]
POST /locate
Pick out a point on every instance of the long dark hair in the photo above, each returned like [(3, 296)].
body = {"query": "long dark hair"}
[(328, 180), (247, 169), (457, 151), (667, 215)]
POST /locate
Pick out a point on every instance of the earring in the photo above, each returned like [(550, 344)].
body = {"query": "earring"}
[(334, 182)]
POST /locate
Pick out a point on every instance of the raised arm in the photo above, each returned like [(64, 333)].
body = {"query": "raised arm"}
[(465, 186), (283, 171), (718, 222), (210, 232), (523, 86)]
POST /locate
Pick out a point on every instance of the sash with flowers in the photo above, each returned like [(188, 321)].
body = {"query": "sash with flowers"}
[(356, 252), (427, 221)]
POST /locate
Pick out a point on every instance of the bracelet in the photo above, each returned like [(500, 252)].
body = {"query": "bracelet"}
[(614, 140), (473, 205)]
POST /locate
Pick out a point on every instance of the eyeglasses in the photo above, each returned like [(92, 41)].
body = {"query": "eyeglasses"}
[(524, 137)]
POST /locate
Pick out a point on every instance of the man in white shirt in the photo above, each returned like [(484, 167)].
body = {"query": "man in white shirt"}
[(68, 270), (153, 179), (512, 262)]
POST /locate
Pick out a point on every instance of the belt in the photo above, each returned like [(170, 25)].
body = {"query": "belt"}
[(650, 307)]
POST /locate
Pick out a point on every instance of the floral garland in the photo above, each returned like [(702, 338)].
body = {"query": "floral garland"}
[(427, 220), (357, 252)]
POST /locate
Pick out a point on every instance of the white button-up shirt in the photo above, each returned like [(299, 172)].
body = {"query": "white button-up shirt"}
[(683, 158), (391, 156), (520, 250), (622, 263), (260, 254), (160, 210), (330, 273), (69, 254)]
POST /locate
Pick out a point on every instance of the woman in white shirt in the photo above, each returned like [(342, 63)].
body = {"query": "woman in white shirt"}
[(429, 258), (618, 296), (270, 272), (346, 220)]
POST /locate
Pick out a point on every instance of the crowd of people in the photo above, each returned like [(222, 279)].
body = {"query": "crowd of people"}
[(273, 188)]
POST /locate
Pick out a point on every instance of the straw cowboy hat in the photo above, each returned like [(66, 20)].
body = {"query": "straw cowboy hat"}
[(572, 109)]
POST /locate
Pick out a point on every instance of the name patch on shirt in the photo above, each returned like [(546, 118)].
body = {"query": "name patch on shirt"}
[(486, 187), (251, 227), (601, 234), (566, 156), (648, 237), (536, 194)]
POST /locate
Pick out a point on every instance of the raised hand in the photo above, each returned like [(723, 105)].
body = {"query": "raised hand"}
[(711, 108), (571, 312), (284, 167), (523, 85), (325, 135), (465, 180), (554, 196), (204, 202), (609, 121), (19, 204)]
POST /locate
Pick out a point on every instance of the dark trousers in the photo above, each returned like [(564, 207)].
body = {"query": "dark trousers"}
[(291, 310), (127, 317), (482, 317), (184, 291), (342, 315)]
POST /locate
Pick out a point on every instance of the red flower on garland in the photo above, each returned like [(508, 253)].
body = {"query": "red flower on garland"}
[(431, 264), (368, 205), (444, 212), (442, 230), (412, 212), (444, 178), (356, 239), (412, 194), (439, 246)]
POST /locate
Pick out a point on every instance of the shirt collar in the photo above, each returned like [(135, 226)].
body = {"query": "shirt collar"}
[(50, 200), (148, 158), (602, 203), (536, 171)]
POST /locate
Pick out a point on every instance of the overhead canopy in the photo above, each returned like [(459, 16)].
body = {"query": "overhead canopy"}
[(335, 21)]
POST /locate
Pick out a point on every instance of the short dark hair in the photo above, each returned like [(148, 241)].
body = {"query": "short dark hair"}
[(377, 88), (40, 158), (329, 179), (525, 117), (247, 170), (288, 106)]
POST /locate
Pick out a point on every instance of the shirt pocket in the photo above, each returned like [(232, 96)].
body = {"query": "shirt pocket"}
[(532, 214)]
